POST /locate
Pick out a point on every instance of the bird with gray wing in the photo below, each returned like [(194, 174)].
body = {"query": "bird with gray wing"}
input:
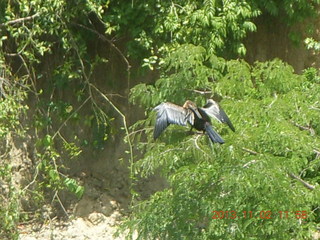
[(199, 118)]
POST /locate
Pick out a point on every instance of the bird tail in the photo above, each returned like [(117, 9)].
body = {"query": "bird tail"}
[(213, 135)]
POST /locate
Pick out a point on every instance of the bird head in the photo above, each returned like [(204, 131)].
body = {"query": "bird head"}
[(189, 104)]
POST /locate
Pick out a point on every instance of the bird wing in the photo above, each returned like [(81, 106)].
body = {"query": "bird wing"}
[(213, 109), (169, 113)]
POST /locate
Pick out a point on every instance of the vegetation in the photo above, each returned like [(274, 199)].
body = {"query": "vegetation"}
[(238, 190), (274, 112), (53, 50)]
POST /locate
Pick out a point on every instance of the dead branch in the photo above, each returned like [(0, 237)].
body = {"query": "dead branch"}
[(101, 36), (34, 178), (60, 202), (250, 151), (116, 95), (314, 108), (197, 146), (71, 115), (316, 152), (273, 101), (140, 130), (308, 128), (306, 184), (249, 163), (202, 92), (124, 120)]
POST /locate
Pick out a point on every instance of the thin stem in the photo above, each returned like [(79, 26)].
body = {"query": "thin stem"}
[(124, 125), (20, 20)]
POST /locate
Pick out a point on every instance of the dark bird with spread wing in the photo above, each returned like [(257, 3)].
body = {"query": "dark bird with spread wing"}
[(199, 118)]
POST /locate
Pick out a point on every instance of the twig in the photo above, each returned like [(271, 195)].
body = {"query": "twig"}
[(306, 184), (316, 152), (58, 198), (249, 163), (310, 129), (64, 123), (29, 74), (203, 92), (197, 146), (275, 99), (34, 178), (115, 94), (314, 108), (124, 122), (140, 130), (19, 20), (101, 36), (250, 151)]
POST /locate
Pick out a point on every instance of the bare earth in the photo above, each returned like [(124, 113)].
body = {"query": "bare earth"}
[(95, 227)]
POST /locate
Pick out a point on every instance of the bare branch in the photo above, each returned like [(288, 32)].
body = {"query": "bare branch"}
[(197, 146), (249, 163), (250, 151), (274, 100), (316, 152), (116, 95), (314, 108), (203, 92), (101, 36), (58, 198), (34, 178), (308, 128), (64, 123), (20, 20), (306, 184), (140, 130), (123, 119)]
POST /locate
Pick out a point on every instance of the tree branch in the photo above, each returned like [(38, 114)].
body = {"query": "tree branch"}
[(19, 20), (250, 151), (202, 92), (316, 152), (306, 184), (123, 120), (249, 163), (273, 101), (101, 36), (308, 128), (70, 116)]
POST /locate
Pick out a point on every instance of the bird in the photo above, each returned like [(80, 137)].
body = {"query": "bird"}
[(198, 117)]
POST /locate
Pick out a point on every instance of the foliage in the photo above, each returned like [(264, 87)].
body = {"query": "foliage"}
[(312, 44), (275, 113), (46, 64), (289, 11), (51, 52), (48, 44)]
